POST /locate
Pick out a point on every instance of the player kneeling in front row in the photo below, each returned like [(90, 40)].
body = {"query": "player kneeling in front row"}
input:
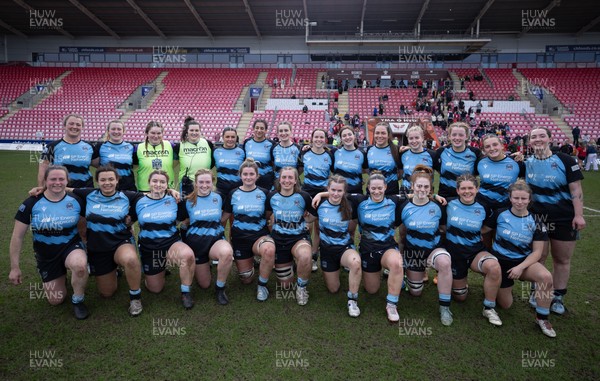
[(465, 218), (336, 247), (518, 244), (206, 235), (422, 217), (53, 217), (291, 209)]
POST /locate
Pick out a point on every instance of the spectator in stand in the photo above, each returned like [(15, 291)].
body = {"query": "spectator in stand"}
[(375, 111), (478, 108), (576, 133), (592, 156)]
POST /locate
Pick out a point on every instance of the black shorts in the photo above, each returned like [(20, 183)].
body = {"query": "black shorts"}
[(371, 261), (201, 246), (313, 191), (331, 256), (155, 261), (284, 245), (266, 181), (103, 262), (461, 258), (54, 268), (505, 265), (561, 231)]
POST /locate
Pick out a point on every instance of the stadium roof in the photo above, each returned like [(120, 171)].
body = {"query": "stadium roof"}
[(266, 18)]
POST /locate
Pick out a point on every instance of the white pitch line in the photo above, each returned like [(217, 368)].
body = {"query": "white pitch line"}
[(591, 215), (593, 210)]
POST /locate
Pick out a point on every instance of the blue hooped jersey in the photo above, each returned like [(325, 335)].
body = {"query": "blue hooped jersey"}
[(76, 157), (549, 180), (463, 225), (495, 177), (381, 159), (451, 164), (317, 168), (53, 223), (105, 216), (350, 164), (377, 221), (333, 231), (248, 209), (158, 222), (228, 162), (288, 212), (422, 224), (205, 216), (120, 157), (514, 234), (261, 153), (284, 157), (409, 160)]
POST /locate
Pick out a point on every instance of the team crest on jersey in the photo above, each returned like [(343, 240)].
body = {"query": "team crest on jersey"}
[(477, 212), (167, 202), (69, 206), (259, 197), (237, 153), (431, 212), (84, 148), (215, 201), (296, 202), (554, 166), (509, 167), (22, 208), (357, 157)]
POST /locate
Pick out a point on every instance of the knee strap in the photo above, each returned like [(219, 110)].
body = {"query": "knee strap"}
[(483, 259), (433, 258), (246, 274), (284, 273), (265, 240), (415, 285), (460, 291)]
